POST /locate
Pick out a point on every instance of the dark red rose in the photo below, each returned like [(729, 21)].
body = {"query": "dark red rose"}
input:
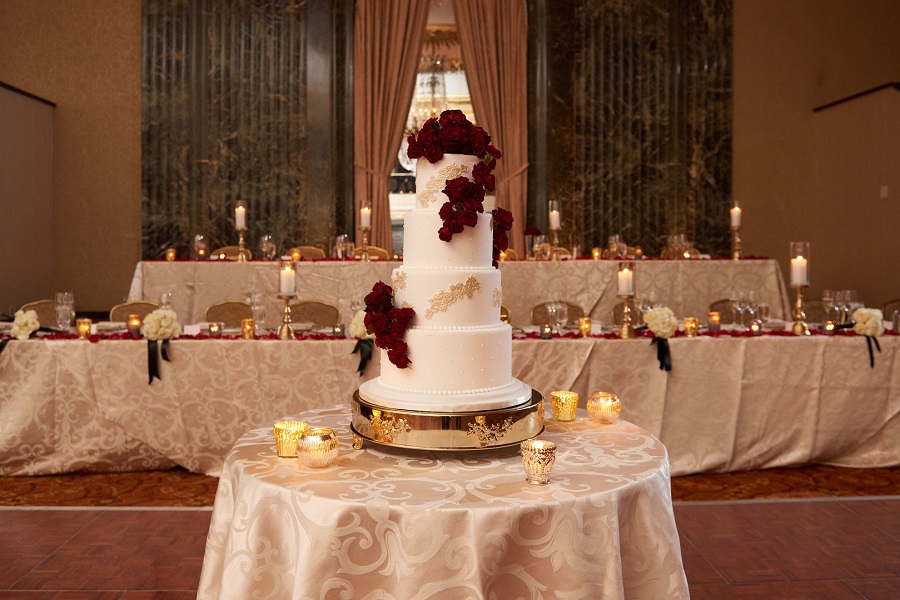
[(402, 315), (444, 234), (494, 152), (397, 354), (453, 138), (446, 211), (415, 148), (467, 218), (479, 140), (380, 299), (457, 188), (503, 219), (434, 152), (532, 230), (454, 117), (501, 241)]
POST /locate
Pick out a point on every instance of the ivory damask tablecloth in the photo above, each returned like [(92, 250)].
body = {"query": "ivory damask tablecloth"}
[(729, 404), (688, 287), (405, 525)]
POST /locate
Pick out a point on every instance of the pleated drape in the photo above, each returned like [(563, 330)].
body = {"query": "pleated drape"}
[(387, 41), (493, 37)]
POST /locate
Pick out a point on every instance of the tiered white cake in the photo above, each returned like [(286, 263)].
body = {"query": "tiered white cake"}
[(460, 350)]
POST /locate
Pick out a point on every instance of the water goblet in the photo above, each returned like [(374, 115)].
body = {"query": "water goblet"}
[(258, 311), (65, 310), (356, 303), (561, 316), (267, 247)]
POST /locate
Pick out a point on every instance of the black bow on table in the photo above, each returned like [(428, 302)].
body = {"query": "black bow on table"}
[(869, 341), (663, 355), (364, 347), (153, 351)]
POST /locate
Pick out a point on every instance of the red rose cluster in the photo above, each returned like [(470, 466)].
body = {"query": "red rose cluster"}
[(532, 230), (388, 324), (451, 133), (466, 200), (503, 221)]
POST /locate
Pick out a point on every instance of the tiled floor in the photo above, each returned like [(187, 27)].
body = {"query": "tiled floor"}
[(772, 550)]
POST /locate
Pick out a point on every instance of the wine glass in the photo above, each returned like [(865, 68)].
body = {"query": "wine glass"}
[(560, 316), (267, 247), (542, 247), (356, 303), (748, 308), (258, 311), (737, 315)]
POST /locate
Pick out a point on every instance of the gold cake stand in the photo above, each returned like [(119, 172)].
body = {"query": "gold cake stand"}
[(475, 430)]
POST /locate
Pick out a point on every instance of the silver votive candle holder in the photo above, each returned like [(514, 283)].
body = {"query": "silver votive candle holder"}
[(538, 458), (564, 404), (318, 447), (287, 437), (604, 407)]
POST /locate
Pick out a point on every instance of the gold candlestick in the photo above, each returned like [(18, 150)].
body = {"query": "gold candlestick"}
[(735, 243), (286, 332), (626, 331), (800, 326), (555, 247), (241, 257), (364, 253)]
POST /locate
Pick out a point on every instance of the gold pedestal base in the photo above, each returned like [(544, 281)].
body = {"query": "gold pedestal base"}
[(475, 430)]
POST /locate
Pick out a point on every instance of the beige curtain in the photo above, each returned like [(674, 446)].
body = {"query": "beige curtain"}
[(387, 41), (493, 37)]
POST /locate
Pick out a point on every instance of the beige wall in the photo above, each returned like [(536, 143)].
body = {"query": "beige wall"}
[(85, 57), (792, 179)]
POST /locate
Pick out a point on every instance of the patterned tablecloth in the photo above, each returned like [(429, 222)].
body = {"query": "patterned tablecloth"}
[(729, 404), (392, 524), (688, 287)]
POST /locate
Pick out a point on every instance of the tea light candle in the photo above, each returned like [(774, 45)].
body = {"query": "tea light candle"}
[(170, 254), (595, 253), (736, 216), (756, 328), (564, 404), (829, 327), (287, 282), (714, 320), (546, 332), (287, 437), (604, 407), (337, 330), (538, 458), (215, 329), (318, 447), (365, 217), (691, 325), (247, 328), (625, 281), (295, 255), (83, 327), (134, 325), (584, 326)]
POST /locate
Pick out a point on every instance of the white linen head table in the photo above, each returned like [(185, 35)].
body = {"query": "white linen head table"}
[(396, 524)]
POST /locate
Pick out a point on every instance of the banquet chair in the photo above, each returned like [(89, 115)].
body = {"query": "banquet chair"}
[(890, 307), (230, 253), (618, 309), (727, 316), (320, 314), (504, 313), (45, 310), (230, 312), (307, 252), (141, 308), (375, 252), (511, 254), (539, 313), (815, 311)]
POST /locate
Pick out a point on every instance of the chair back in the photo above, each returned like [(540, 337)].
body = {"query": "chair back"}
[(45, 310), (141, 308), (890, 307), (511, 254), (727, 314), (307, 252), (230, 253), (320, 314), (230, 312), (504, 313), (815, 311), (539, 314), (374, 252)]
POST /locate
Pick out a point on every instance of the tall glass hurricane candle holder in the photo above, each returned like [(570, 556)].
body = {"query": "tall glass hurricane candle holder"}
[(625, 289), (800, 280), (735, 215), (555, 220), (287, 291), (240, 225)]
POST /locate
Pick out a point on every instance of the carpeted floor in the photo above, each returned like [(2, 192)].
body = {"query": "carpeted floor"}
[(177, 487)]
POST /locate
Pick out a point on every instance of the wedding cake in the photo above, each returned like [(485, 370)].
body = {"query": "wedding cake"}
[(458, 351)]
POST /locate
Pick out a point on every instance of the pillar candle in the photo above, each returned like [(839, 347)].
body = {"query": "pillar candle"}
[(736, 216), (554, 219), (365, 217), (799, 271), (286, 281), (626, 282), (240, 217)]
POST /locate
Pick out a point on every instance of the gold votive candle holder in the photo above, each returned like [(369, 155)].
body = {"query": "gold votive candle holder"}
[(170, 254), (691, 326), (604, 407), (596, 253), (714, 320), (296, 256), (538, 458), (83, 328), (248, 326), (287, 437), (318, 447), (584, 326), (134, 325), (564, 405)]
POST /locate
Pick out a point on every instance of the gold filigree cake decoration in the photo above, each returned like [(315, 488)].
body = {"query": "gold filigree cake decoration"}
[(497, 298), (436, 183), (441, 301), (386, 426), (398, 280), (487, 434)]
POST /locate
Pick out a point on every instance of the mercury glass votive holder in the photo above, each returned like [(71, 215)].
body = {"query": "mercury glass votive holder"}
[(604, 407), (337, 330), (83, 328), (714, 320), (691, 326), (538, 458), (215, 329), (564, 404), (170, 254), (546, 332), (134, 325), (584, 326), (287, 437), (756, 327), (248, 326), (318, 447)]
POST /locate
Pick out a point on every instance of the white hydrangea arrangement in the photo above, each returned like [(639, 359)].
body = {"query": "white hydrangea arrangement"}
[(358, 327), (868, 321), (661, 321), (161, 324), (24, 324)]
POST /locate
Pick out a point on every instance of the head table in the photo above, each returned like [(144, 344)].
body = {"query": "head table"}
[(402, 525), (728, 404), (688, 287)]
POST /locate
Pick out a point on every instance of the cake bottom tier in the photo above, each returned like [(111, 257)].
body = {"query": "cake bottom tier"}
[(513, 394)]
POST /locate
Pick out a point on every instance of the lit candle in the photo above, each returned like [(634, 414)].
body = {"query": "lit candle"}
[(626, 282), (170, 253), (756, 328), (286, 280), (337, 330), (799, 271), (691, 325), (584, 326), (240, 217), (83, 327), (365, 217), (554, 219), (829, 327), (134, 325), (595, 253), (736, 216), (248, 326), (215, 329), (714, 320), (546, 332)]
